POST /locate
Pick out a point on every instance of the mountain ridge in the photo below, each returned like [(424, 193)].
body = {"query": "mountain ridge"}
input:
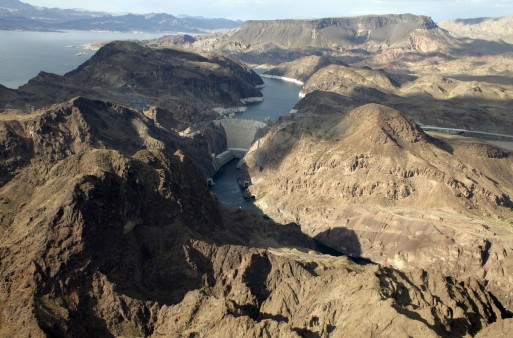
[(494, 29), (276, 41), (16, 15)]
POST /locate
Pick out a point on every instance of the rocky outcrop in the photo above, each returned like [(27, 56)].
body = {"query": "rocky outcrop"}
[(129, 73), (371, 184)]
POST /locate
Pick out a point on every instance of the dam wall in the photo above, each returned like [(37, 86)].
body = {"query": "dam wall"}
[(240, 134)]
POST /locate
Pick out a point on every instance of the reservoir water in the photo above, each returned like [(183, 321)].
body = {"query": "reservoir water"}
[(279, 98)]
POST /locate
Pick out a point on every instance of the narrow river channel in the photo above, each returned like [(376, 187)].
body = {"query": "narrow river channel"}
[(279, 98)]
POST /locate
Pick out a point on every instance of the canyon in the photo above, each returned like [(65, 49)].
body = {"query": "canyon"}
[(374, 225)]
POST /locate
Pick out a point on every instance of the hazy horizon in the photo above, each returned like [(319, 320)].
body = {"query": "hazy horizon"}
[(439, 10)]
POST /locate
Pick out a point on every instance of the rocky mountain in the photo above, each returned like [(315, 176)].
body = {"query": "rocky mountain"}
[(370, 183), (427, 99), (77, 125), (276, 41), (107, 230), (187, 84), (481, 28), (8, 95), (16, 15)]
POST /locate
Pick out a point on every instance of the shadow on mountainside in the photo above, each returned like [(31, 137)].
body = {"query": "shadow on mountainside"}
[(147, 237), (341, 241)]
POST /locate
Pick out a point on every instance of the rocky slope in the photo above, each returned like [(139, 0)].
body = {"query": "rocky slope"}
[(346, 80), (372, 184), (55, 132), (277, 41), (481, 28), (187, 84), (107, 230)]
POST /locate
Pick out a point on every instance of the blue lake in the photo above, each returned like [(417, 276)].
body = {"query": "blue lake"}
[(279, 98)]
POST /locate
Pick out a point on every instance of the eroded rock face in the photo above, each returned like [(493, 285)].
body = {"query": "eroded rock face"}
[(100, 238), (370, 183)]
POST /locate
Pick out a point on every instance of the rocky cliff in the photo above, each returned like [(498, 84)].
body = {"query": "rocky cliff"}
[(371, 184)]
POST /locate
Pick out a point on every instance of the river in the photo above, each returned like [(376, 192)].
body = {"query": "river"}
[(279, 98)]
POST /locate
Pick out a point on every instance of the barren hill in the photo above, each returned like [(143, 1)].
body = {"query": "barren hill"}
[(345, 80), (370, 183), (481, 28), (427, 99)]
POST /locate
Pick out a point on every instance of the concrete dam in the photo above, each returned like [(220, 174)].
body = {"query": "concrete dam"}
[(240, 134)]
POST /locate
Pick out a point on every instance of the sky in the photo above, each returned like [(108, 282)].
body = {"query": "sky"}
[(439, 10)]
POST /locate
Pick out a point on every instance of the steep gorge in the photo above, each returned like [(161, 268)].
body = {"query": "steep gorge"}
[(108, 234)]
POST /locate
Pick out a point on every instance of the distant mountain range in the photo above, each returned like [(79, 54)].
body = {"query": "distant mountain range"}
[(482, 28), (17, 15)]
